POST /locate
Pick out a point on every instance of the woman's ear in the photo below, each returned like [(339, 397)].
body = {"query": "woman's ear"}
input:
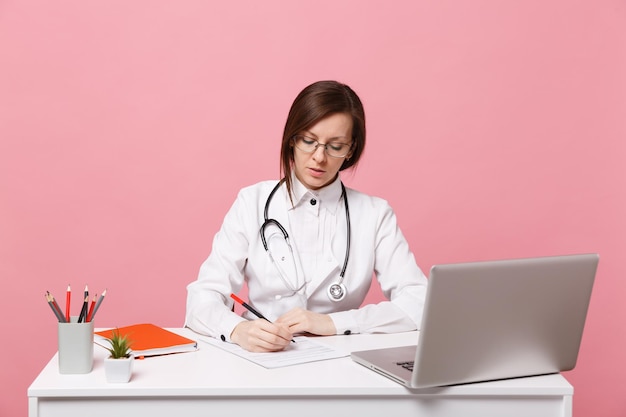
[(349, 155)]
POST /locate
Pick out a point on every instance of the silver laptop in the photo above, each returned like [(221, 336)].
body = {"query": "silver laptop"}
[(494, 320)]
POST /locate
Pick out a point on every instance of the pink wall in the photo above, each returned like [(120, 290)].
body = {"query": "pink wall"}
[(496, 129)]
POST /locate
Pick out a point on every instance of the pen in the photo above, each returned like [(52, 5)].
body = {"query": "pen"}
[(251, 309)]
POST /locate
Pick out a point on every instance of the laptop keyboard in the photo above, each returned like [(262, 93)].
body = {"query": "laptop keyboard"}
[(406, 365)]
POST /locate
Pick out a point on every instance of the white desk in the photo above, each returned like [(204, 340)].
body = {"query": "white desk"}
[(214, 382)]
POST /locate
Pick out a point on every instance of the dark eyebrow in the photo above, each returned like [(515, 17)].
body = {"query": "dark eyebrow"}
[(314, 136)]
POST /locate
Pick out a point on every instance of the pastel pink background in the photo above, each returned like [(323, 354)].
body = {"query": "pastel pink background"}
[(496, 130)]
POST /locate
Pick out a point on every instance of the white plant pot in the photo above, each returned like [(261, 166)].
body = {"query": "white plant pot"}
[(118, 370)]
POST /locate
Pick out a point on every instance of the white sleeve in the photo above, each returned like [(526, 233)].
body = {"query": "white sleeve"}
[(209, 306), (402, 282)]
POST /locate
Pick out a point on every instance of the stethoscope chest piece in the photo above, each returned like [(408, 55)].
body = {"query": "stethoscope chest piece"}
[(336, 291)]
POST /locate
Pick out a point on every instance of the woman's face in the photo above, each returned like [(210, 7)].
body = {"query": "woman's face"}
[(317, 169)]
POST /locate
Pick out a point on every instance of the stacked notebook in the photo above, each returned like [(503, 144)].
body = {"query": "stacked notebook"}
[(148, 340)]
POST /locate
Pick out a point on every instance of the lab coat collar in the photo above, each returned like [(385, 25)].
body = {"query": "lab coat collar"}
[(329, 196)]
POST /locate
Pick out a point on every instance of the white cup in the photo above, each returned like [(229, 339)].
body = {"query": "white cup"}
[(75, 347)]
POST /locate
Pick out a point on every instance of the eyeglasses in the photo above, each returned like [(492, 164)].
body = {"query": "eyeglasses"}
[(310, 145)]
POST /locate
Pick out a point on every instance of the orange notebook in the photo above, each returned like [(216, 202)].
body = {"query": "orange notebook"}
[(149, 340)]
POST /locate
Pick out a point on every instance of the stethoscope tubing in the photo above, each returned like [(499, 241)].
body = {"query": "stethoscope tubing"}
[(269, 221)]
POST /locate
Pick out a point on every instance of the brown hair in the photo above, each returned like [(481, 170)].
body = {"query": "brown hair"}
[(315, 102)]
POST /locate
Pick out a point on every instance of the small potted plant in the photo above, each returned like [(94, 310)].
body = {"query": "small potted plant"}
[(118, 367)]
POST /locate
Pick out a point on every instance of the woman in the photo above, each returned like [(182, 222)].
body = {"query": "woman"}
[(306, 246)]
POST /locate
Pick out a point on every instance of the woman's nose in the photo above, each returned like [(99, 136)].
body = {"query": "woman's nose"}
[(319, 155)]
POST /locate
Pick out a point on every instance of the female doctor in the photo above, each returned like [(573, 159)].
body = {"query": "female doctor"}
[(306, 246)]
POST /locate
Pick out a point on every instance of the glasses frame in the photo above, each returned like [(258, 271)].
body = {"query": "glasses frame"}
[(294, 138)]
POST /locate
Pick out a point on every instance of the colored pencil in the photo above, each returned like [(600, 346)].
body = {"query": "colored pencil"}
[(68, 298), (93, 304), (95, 310), (56, 307), (83, 311), (56, 312)]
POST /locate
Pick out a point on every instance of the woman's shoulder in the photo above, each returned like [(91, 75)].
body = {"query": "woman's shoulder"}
[(257, 190), (364, 199)]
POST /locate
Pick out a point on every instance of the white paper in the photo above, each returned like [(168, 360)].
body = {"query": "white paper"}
[(304, 350)]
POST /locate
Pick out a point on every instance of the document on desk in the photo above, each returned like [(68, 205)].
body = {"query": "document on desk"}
[(305, 349)]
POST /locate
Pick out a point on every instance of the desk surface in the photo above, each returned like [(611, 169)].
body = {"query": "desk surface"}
[(211, 373)]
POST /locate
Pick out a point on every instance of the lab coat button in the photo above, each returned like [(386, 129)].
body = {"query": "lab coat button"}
[(313, 201), (347, 332), (223, 338)]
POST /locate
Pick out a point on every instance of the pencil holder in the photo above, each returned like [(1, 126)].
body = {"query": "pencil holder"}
[(75, 347)]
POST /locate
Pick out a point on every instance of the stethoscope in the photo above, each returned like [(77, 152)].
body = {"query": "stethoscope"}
[(336, 291)]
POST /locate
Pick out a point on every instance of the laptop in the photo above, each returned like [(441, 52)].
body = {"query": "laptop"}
[(494, 320)]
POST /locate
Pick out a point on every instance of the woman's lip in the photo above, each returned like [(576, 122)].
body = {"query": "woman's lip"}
[(316, 172)]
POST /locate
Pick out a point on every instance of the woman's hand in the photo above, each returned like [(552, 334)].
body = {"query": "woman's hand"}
[(300, 320), (261, 336)]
